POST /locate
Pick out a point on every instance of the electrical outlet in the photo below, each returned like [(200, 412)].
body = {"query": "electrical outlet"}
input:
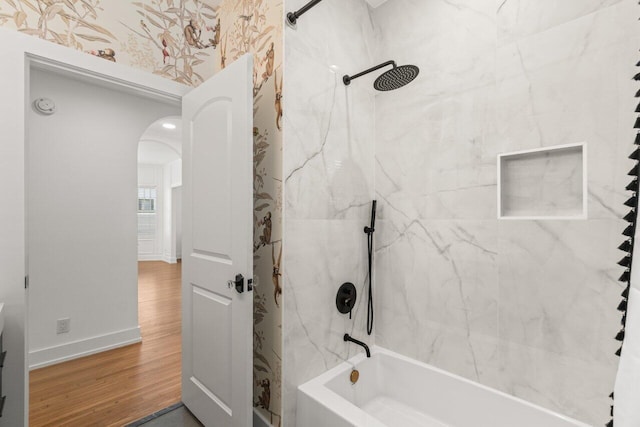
[(63, 326)]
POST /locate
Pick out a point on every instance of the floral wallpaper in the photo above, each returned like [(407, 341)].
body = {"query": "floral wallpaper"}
[(173, 38), (188, 41), (256, 26), (69, 23), (175, 32)]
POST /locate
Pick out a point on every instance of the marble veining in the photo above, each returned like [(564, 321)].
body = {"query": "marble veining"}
[(527, 307), (329, 169), (521, 18)]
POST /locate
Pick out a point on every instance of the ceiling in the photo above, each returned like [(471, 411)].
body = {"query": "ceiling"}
[(159, 146)]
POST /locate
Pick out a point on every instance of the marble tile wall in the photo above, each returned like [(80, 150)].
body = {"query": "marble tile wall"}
[(528, 307), (328, 178)]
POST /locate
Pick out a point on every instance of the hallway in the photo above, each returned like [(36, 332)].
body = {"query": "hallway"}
[(122, 385)]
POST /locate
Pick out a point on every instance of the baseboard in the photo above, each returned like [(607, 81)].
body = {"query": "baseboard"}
[(157, 257), (73, 350), (169, 259), (150, 257), (259, 420)]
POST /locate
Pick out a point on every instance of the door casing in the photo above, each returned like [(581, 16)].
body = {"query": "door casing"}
[(18, 54)]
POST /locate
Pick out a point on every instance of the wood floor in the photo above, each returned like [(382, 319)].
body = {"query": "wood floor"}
[(122, 385)]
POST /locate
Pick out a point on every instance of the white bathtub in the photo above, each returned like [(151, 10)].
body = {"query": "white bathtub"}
[(395, 391)]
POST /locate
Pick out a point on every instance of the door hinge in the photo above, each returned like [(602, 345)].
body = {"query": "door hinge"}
[(26, 282)]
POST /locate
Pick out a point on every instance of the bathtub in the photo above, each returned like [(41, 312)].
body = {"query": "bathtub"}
[(396, 391)]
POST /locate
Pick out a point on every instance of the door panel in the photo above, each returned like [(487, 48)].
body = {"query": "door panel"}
[(218, 229), (214, 327), (212, 139)]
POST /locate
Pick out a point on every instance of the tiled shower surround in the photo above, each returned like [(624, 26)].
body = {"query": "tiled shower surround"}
[(328, 169), (527, 307)]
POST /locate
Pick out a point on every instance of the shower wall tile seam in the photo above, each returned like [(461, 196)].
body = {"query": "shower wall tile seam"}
[(447, 115), (328, 199), (613, 5)]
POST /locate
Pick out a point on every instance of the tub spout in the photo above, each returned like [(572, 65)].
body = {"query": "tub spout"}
[(360, 343)]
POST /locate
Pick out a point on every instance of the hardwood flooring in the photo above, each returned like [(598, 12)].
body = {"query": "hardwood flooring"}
[(118, 386)]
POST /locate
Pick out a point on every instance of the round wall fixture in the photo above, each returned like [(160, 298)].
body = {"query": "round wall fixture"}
[(44, 106), (346, 298)]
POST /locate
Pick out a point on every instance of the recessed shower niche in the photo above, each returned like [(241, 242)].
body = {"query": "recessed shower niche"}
[(543, 183)]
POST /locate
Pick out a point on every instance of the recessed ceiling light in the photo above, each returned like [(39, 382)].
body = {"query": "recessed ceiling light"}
[(168, 126)]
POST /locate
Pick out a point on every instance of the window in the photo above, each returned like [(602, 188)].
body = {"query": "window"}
[(147, 225), (146, 199)]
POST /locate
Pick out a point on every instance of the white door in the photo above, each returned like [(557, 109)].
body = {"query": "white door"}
[(217, 245)]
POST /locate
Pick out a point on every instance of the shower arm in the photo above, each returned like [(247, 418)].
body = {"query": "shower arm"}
[(292, 17), (347, 79)]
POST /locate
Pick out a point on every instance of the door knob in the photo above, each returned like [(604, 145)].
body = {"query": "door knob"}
[(239, 283)]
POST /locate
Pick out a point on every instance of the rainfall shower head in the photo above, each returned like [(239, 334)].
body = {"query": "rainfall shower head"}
[(395, 78)]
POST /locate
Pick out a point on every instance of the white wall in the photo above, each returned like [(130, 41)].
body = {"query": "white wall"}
[(172, 234), (176, 237), (153, 176), (15, 51), (82, 216), (167, 179)]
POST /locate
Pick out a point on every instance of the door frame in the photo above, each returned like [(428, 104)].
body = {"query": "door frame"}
[(18, 54)]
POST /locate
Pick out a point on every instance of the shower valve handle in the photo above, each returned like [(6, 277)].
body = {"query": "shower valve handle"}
[(346, 298)]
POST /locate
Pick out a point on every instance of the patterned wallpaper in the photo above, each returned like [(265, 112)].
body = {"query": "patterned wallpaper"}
[(256, 26), (188, 41)]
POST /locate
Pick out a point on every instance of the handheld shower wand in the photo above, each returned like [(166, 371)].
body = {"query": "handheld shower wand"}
[(369, 232), (371, 229)]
